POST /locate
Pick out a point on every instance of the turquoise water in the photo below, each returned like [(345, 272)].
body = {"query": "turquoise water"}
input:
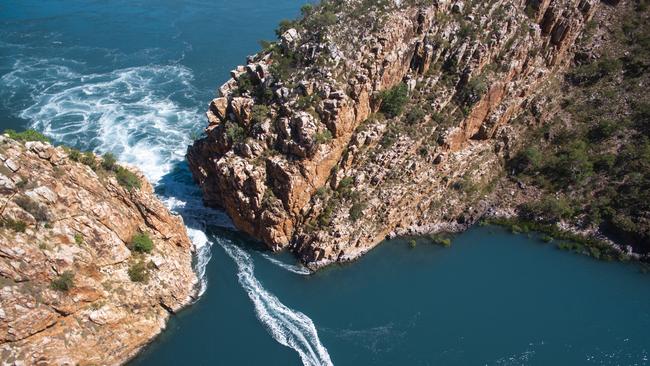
[(134, 78)]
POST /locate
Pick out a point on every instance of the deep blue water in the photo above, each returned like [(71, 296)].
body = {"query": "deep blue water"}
[(134, 77)]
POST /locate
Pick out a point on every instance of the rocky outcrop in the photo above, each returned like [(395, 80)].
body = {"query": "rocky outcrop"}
[(298, 156), (73, 289)]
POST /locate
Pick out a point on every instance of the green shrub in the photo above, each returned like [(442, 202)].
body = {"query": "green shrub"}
[(78, 239), (589, 74), (63, 283), (138, 272), (529, 159), (603, 130), (127, 179), (285, 25), (472, 92), (235, 132), (109, 161), (415, 115), (74, 154), (394, 100), (357, 210), (259, 113), (548, 209), (141, 243), (28, 135), (15, 225), (441, 239), (323, 137), (88, 158)]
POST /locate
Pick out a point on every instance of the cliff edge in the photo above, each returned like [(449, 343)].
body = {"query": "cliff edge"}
[(91, 262), (375, 118)]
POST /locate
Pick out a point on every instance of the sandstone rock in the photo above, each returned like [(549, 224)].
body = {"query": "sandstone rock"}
[(105, 318), (479, 67)]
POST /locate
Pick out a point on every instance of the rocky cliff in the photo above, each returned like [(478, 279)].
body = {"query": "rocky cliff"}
[(374, 117), (91, 263)]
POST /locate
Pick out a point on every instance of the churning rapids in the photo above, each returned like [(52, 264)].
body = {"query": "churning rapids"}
[(134, 78)]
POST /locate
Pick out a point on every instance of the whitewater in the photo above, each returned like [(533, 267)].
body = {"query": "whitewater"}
[(138, 113)]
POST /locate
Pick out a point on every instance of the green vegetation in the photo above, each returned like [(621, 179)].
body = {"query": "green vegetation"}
[(88, 158), (78, 239), (138, 272), (63, 283), (15, 225), (550, 232), (141, 243), (235, 132), (127, 179), (393, 100), (74, 154), (28, 135), (259, 113), (441, 239), (415, 115), (472, 91), (357, 210), (593, 159), (323, 137), (413, 243), (109, 161)]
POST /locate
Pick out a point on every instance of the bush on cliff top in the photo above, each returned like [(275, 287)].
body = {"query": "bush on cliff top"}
[(28, 135), (127, 179)]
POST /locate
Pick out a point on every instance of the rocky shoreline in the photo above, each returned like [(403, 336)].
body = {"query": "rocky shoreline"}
[(92, 264), (326, 143)]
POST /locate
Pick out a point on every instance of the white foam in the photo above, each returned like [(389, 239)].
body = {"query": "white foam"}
[(136, 113), (132, 112), (297, 269), (288, 327)]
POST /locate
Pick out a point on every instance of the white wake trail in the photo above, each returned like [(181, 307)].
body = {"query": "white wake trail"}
[(288, 327), (289, 267)]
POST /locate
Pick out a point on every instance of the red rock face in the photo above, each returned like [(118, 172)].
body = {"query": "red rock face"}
[(79, 221), (267, 180)]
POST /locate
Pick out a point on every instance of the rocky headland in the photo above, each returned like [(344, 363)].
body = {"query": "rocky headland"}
[(91, 262), (375, 118)]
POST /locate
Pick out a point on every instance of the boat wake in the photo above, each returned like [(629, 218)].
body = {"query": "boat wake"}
[(297, 269), (141, 115), (288, 327)]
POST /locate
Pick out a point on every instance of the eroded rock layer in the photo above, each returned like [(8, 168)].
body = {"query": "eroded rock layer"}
[(73, 288), (303, 149)]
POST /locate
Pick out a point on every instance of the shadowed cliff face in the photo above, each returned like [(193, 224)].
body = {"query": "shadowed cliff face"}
[(304, 149), (75, 288)]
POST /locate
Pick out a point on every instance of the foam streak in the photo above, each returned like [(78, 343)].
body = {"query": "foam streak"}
[(288, 327)]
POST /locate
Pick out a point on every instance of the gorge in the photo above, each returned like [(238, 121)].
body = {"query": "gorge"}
[(367, 120)]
